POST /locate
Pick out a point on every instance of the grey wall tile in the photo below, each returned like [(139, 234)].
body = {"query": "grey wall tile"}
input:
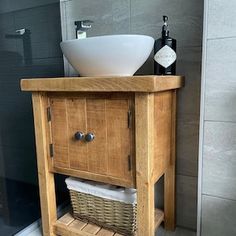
[(220, 93), (187, 148), (218, 217), (189, 65), (185, 19), (219, 162), (221, 19), (7, 27), (121, 16), (188, 106), (15, 5), (45, 31), (186, 190), (19, 164), (110, 17)]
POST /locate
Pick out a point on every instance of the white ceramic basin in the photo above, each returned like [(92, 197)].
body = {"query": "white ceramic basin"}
[(112, 55)]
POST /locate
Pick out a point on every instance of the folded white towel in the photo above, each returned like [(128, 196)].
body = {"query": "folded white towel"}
[(127, 195)]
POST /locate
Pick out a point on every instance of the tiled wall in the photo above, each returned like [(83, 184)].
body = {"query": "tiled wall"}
[(145, 17), (218, 157), (17, 152), (18, 171)]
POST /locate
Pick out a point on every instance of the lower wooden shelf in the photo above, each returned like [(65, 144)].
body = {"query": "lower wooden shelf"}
[(159, 217), (68, 225)]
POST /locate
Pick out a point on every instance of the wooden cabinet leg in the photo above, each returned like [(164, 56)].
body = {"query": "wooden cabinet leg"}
[(169, 198), (46, 178), (145, 209), (144, 118), (169, 177)]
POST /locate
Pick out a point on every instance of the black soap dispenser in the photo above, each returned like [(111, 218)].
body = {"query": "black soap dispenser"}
[(165, 52)]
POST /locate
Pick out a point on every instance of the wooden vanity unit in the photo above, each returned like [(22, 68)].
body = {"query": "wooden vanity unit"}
[(128, 125)]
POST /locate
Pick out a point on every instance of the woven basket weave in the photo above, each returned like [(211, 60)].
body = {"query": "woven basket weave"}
[(117, 216)]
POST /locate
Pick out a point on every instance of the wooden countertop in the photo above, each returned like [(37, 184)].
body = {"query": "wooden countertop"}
[(149, 83)]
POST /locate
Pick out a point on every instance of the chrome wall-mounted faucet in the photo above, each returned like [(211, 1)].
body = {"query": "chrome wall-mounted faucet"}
[(81, 28), (25, 35)]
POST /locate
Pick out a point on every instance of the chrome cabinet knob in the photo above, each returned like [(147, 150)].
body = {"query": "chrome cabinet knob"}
[(79, 135), (89, 137)]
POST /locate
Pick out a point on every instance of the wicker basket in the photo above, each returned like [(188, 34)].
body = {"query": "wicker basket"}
[(115, 215)]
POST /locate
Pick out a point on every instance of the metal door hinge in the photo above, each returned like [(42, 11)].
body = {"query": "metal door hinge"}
[(51, 149), (129, 118), (129, 163), (49, 116)]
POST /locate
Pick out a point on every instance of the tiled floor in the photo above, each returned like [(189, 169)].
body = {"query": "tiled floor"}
[(6, 229), (178, 232), (161, 232)]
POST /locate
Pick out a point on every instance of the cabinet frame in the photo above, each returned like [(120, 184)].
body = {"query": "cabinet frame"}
[(149, 111)]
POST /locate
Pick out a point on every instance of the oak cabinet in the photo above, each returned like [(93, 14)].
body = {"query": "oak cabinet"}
[(116, 130)]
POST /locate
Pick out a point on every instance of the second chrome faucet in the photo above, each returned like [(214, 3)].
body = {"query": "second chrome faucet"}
[(81, 28)]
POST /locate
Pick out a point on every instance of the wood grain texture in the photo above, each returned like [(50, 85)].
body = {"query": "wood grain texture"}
[(91, 228), (46, 178), (149, 83), (76, 112), (162, 132), (129, 183), (144, 134), (59, 132), (67, 225), (169, 177), (105, 232), (107, 118), (77, 224), (119, 138), (97, 124), (66, 219), (159, 217)]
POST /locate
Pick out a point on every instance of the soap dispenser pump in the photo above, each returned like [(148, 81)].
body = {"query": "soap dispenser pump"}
[(165, 52)]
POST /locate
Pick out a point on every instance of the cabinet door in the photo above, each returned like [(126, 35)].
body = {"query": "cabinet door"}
[(110, 153)]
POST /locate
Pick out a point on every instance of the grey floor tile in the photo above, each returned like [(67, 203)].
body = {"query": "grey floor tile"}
[(37, 232), (219, 160), (218, 217), (178, 232)]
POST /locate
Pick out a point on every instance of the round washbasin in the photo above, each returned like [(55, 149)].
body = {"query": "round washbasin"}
[(112, 55)]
